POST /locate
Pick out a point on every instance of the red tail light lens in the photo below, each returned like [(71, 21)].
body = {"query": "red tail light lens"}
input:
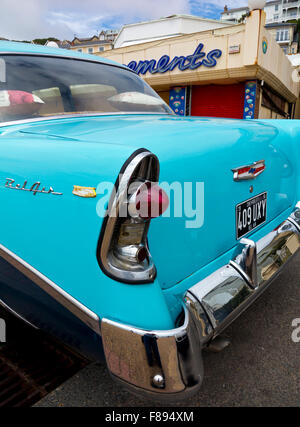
[(149, 201)]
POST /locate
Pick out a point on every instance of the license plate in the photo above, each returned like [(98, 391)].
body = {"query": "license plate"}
[(251, 214)]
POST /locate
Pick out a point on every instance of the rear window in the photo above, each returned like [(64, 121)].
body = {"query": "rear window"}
[(37, 86)]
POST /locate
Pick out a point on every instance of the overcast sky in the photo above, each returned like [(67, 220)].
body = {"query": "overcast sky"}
[(29, 19)]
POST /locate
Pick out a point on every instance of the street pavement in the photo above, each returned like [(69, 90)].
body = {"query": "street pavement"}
[(261, 367)]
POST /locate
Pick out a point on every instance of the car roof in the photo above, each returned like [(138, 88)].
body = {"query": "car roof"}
[(29, 48)]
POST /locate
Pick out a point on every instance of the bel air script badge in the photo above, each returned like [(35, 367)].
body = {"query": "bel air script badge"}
[(247, 172), (35, 188)]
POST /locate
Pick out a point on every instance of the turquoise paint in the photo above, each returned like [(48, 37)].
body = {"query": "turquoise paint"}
[(28, 48), (58, 235)]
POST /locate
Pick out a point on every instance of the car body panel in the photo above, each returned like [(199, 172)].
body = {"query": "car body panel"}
[(58, 235), (232, 143), (50, 270)]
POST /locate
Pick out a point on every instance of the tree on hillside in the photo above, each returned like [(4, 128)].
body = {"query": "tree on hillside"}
[(44, 41), (297, 21), (243, 18)]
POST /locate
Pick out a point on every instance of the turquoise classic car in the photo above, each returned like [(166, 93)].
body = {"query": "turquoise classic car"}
[(131, 234)]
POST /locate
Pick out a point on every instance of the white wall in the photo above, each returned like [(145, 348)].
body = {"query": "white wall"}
[(234, 15), (164, 28), (269, 9), (271, 13)]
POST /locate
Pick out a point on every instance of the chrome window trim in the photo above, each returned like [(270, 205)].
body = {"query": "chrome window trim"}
[(75, 307), (81, 115)]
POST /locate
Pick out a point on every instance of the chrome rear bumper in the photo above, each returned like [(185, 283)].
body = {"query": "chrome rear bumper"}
[(169, 363)]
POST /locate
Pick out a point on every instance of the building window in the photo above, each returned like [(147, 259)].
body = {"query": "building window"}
[(292, 12), (91, 50), (101, 49), (79, 50), (282, 35), (286, 35), (276, 7), (275, 17)]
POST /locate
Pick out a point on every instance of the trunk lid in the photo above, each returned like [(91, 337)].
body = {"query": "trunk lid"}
[(194, 150)]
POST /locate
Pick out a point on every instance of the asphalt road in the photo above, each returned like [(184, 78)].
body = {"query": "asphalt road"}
[(261, 367)]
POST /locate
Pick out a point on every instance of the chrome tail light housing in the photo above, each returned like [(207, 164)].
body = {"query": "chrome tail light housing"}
[(123, 253)]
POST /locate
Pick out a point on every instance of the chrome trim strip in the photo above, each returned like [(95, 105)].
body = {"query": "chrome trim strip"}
[(76, 58), (34, 188), (81, 115), (13, 312), (236, 176), (178, 333), (75, 307)]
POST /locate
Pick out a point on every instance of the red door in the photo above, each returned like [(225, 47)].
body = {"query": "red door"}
[(218, 100)]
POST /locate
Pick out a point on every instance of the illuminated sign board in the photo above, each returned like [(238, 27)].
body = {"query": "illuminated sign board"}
[(190, 62)]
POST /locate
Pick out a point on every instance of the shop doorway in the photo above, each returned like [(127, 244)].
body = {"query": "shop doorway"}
[(218, 100)]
